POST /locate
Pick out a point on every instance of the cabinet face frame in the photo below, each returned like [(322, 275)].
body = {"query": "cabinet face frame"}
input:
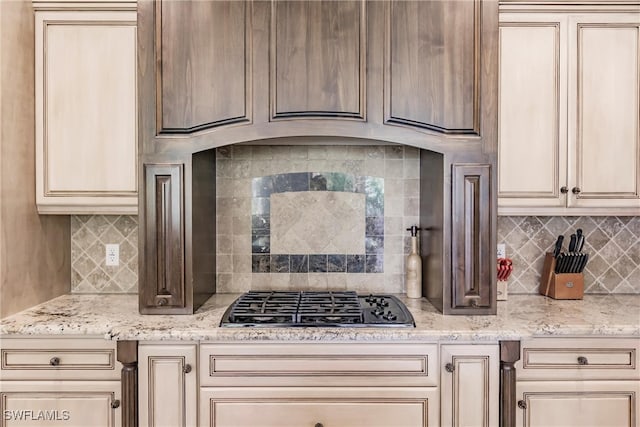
[(103, 199)]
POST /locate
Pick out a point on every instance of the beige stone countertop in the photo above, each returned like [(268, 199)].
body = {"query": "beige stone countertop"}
[(116, 317)]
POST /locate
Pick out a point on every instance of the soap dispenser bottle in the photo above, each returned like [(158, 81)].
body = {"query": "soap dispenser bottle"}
[(413, 277)]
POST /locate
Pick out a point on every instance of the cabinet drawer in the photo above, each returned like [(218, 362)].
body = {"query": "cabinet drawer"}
[(341, 406), (575, 358), (318, 364), (58, 359)]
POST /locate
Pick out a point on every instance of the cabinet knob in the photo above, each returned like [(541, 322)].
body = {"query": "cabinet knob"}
[(318, 425), (522, 404), (187, 368), (582, 360), (449, 367), (115, 404), (162, 302), (564, 189), (55, 361), (575, 190)]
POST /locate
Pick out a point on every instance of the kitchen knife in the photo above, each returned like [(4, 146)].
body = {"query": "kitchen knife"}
[(579, 240), (575, 262), (583, 262), (581, 245), (559, 263), (572, 243), (558, 247)]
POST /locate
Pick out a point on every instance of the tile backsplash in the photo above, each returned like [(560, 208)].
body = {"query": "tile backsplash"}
[(613, 245), (315, 217), (89, 272), (301, 225)]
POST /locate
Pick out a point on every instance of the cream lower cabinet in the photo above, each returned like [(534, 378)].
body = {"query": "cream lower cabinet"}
[(86, 113), (578, 404), (68, 403), (319, 406), (569, 138), (59, 382), (168, 384), (469, 384), (578, 382), (329, 384)]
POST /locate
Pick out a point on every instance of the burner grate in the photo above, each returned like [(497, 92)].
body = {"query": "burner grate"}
[(315, 308)]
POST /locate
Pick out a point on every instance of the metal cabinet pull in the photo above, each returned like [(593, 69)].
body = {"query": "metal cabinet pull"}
[(564, 189), (187, 368), (55, 361), (522, 404), (582, 360), (575, 190), (115, 404), (449, 367)]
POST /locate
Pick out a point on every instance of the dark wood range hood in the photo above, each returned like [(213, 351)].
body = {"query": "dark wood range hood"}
[(419, 73)]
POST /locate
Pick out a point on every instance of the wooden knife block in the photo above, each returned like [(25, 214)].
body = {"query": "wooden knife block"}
[(560, 286)]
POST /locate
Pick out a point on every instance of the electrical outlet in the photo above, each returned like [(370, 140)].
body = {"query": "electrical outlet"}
[(113, 254), (502, 251)]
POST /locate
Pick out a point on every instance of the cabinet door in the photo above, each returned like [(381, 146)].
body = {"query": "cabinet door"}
[(577, 403), (532, 111), (86, 154), (324, 406), (470, 385), (604, 94), (473, 281), (163, 271), (167, 385), (68, 403)]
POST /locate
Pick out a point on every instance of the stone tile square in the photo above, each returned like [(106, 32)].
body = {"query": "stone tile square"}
[(374, 263), (280, 264), (299, 263), (318, 263), (261, 263), (337, 263), (355, 263)]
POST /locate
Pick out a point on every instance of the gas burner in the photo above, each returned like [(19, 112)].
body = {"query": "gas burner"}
[(308, 308)]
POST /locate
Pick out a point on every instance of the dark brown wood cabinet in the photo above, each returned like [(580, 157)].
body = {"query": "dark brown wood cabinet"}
[(421, 73)]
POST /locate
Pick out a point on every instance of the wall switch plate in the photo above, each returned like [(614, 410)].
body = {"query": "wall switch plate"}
[(112, 254), (502, 251)]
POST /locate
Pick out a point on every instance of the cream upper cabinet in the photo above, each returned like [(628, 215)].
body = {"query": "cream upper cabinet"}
[(168, 384), (470, 385), (86, 153), (569, 141)]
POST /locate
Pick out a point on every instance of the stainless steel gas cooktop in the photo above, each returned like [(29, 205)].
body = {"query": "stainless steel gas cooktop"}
[(309, 308)]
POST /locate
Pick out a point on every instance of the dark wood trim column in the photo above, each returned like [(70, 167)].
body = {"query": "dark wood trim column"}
[(509, 355), (127, 353)]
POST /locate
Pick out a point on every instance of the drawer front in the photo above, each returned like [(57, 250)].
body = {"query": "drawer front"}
[(283, 407), (60, 403), (318, 364), (579, 359), (58, 359)]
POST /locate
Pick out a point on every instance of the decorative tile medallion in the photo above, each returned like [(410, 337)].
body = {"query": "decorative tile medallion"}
[(340, 233)]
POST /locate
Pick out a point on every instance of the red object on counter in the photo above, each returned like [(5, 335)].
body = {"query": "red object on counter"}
[(505, 267)]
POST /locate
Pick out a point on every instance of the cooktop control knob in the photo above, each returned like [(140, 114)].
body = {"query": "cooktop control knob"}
[(383, 303), (370, 299), (378, 311), (389, 316)]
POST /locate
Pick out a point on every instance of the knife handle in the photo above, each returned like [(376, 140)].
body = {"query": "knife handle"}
[(572, 243)]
